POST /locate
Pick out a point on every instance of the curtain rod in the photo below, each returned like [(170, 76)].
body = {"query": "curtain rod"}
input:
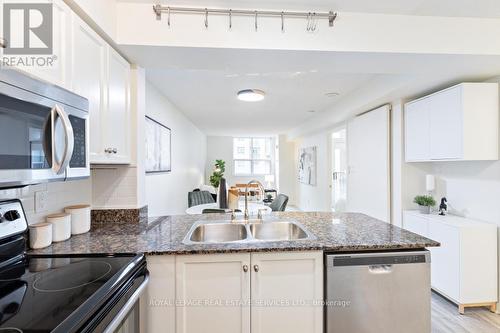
[(159, 9)]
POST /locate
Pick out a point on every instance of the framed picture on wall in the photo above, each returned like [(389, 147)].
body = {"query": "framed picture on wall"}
[(158, 147), (307, 166)]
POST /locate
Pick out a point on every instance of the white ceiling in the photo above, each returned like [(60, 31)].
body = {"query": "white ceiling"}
[(203, 84), (208, 97), (454, 8)]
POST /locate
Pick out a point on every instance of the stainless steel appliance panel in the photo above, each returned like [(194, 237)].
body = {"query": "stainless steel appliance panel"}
[(378, 292)]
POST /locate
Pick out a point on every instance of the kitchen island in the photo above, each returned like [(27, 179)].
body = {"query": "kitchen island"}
[(333, 232), (257, 286)]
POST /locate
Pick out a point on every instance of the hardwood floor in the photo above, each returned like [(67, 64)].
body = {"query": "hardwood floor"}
[(446, 319)]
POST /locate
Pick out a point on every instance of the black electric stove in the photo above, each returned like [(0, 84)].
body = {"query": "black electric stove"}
[(63, 293)]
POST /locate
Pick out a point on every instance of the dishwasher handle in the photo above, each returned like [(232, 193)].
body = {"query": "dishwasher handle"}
[(378, 261), (380, 269)]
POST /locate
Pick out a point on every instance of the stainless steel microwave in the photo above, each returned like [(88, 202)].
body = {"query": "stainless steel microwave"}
[(44, 134)]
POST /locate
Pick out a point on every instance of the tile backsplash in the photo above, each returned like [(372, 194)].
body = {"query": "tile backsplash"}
[(59, 195)]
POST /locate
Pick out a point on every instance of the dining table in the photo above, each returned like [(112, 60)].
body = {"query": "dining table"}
[(253, 208)]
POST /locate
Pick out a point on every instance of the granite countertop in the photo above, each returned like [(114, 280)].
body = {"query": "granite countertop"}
[(163, 235)]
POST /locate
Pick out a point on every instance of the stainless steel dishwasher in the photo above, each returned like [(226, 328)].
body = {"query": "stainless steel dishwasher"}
[(378, 292)]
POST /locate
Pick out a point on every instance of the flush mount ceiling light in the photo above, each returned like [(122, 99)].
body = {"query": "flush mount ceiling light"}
[(332, 94), (251, 95)]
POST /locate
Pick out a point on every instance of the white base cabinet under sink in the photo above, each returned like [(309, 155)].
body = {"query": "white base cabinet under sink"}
[(464, 267), (278, 292)]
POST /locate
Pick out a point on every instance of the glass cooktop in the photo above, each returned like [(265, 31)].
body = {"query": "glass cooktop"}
[(38, 294)]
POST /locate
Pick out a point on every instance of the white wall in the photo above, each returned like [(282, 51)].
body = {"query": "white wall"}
[(358, 32), (102, 12), (166, 193), (288, 169), (317, 197)]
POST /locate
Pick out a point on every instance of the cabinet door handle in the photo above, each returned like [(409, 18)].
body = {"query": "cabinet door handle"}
[(256, 268), (245, 268)]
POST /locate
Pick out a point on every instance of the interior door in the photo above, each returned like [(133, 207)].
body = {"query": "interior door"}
[(368, 154), (339, 170)]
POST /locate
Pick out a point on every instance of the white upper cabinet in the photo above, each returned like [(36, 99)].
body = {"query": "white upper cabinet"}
[(89, 79), (116, 132), (102, 76), (57, 69), (458, 123), (417, 131)]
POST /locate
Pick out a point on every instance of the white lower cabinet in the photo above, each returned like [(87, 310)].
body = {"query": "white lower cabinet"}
[(464, 267), (234, 292), (157, 305), (287, 289), (213, 292)]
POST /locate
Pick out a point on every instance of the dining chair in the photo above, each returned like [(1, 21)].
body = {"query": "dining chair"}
[(279, 204), (199, 198)]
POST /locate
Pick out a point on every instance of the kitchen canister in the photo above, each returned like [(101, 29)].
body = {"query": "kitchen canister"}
[(80, 218), (40, 235), (61, 226)]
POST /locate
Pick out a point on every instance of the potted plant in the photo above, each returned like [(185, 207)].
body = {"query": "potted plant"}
[(219, 169), (425, 202)]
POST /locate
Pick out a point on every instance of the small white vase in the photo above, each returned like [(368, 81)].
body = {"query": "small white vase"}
[(424, 209)]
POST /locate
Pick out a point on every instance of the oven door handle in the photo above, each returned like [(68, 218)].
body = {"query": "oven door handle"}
[(59, 166), (118, 319)]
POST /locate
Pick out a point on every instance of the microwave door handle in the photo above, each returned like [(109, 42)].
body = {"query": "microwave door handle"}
[(59, 166)]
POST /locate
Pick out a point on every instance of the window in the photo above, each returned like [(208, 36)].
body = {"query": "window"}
[(252, 156)]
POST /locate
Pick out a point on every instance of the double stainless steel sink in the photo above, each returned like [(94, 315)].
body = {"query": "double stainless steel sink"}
[(213, 232)]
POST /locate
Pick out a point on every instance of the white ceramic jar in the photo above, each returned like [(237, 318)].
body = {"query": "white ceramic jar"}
[(40, 235), (61, 226), (80, 218)]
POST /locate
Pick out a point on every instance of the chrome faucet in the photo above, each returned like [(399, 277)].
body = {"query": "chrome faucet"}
[(261, 187)]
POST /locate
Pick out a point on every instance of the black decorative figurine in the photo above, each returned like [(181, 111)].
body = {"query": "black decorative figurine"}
[(443, 207)]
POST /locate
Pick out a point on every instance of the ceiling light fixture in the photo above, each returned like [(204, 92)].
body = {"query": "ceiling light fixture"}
[(251, 95), (332, 94)]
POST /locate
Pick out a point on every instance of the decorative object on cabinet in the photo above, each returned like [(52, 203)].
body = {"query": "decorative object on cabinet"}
[(307, 165), (459, 123), (158, 147), (443, 207), (464, 266), (425, 203), (219, 169)]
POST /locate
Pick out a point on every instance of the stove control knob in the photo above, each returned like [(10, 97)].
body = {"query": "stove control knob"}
[(12, 215)]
